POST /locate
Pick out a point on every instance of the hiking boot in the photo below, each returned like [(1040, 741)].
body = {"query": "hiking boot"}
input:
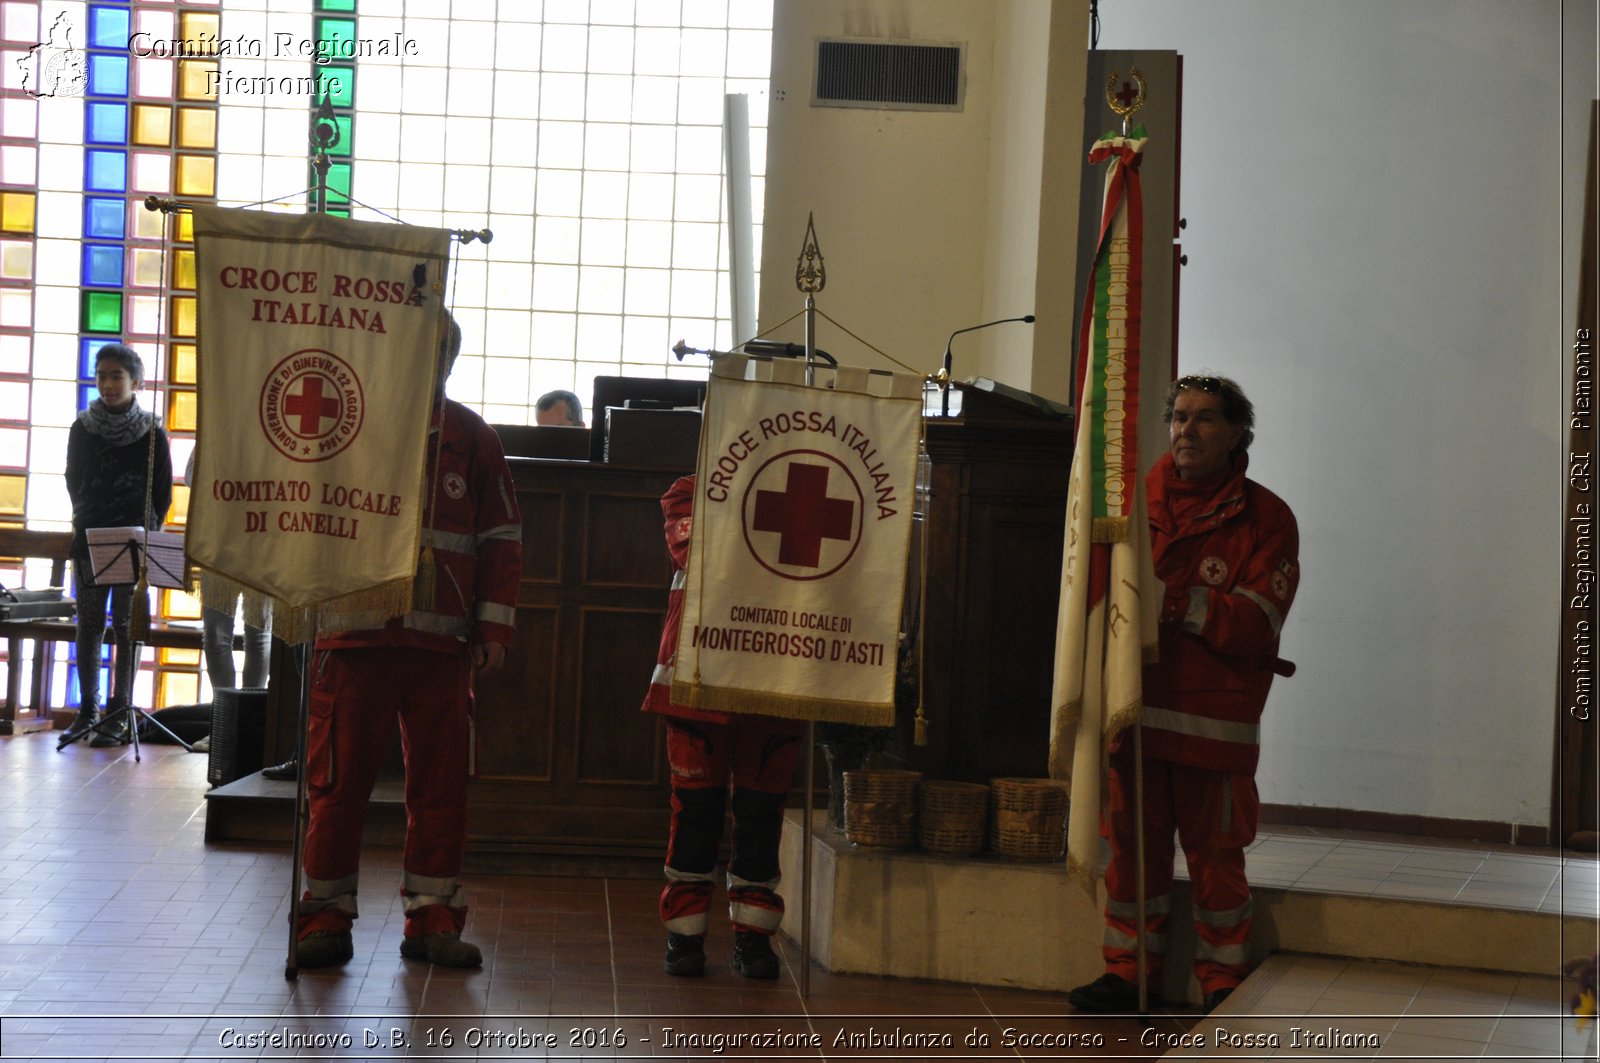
[(118, 734), (324, 948), (686, 955), (444, 948), (1106, 995), (85, 719), (753, 956)]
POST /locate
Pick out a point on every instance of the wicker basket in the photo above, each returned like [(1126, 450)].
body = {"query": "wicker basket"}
[(953, 816), (1030, 818), (880, 807)]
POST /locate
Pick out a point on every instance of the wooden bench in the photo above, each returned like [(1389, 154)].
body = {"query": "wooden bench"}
[(45, 633)]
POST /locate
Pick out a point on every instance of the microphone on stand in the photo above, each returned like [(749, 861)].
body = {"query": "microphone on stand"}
[(944, 411)]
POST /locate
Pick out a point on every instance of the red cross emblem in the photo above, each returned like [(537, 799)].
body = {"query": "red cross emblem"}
[(803, 513), (312, 405)]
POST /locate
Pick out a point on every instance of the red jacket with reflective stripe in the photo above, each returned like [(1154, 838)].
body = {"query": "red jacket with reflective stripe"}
[(677, 507), (472, 522), (1228, 551)]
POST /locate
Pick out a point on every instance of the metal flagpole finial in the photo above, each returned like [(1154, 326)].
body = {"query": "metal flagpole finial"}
[(810, 275), (1127, 97)]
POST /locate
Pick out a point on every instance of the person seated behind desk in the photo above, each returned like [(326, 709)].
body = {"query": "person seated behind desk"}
[(558, 408)]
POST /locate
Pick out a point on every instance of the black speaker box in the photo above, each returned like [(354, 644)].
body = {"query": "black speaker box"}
[(238, 734)]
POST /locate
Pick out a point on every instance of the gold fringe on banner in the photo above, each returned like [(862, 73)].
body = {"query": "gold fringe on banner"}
[(764, 703), (298, 624), (1109, 530)]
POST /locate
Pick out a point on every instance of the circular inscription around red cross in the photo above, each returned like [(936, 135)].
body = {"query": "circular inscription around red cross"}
[(312, 405), (802, 514)]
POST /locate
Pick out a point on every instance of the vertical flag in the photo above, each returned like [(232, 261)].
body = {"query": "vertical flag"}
[(1104, 634)]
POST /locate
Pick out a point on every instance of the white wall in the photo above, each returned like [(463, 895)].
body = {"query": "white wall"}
[(1374, 197)]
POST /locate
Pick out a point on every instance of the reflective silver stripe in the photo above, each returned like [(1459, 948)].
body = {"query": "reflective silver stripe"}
[(337, 893), (1274, 617), (693, 925), (674, 875), (1225, 920), (419, 891), (735, 882), (452, 541), (495, 613), (505, 498), (1232, 955), (1201, 726), (1129, 910), (437, 624), (680, 580), (754, 916), (512, 532), (662, 676), (1155, 944), (414, 883), (1194, 621)]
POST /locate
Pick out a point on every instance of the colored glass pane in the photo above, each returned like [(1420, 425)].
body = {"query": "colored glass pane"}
[(16, 211), (105, 171), (172, 655), (102, 312), (106, 123), (13, 447), (336, 5), (152, 125), (181, 407), (108, 26), (339, 182), (86, 395), (179, 513), (197, 127), (19, 164), (108, 75), (341, 147), (152, 77), (144, 315), (16, 309), (87, 348), (151, 172), (104, 218), (182, 359), (16, 260), (19, 118), (16, 354), (102, 265), (197, 79), (185, 234), (197, 176), (183, 273), (146, 272), (336, 37), (200, 30), (340, 84), (183, 316), (176, 688), (149, 224), (13, 494), (179, 605)]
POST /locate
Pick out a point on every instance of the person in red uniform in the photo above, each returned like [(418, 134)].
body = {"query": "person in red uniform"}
[(714, 756), (417, 668), (1227, 550)]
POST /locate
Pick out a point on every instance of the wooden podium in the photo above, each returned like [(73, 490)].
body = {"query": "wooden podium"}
[(993, 513)]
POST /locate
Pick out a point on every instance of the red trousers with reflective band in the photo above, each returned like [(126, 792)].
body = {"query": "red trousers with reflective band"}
[(1214, 815), (751, 761), (357, 695)]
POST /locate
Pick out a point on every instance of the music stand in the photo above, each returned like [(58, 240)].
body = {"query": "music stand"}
[(120, 556)]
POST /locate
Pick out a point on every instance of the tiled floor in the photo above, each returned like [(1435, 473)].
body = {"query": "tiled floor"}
[(123, 936)]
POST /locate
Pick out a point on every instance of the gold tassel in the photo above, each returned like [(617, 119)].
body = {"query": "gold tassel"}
[(426, 581), (139, 626), (1109, 530), (920, 736)]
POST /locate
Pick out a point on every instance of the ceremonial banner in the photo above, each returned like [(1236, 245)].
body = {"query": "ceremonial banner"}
[(802, 528), (318, 339), (1104, 632)]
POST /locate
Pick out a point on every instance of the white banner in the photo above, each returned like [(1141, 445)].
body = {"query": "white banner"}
[(802, 527), (318, 341)]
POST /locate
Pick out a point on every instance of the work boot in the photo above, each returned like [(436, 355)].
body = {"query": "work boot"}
[(1109, 994), (87, 717), (288, 771), (444, 948), (753, 956), (118, 734), (324, 948), (686, 955)]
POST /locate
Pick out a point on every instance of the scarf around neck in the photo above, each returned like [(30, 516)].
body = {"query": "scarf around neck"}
[(117, 429)]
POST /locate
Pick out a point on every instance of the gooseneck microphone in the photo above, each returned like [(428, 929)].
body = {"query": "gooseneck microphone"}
[(949, 382)]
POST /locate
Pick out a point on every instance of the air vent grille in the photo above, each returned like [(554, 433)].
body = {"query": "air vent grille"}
[(900, 75)]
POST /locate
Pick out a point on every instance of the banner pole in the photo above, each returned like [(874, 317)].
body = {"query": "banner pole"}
[(1138, 869), (805, 861), (291, 969)]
